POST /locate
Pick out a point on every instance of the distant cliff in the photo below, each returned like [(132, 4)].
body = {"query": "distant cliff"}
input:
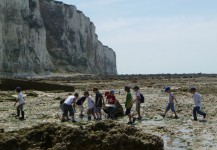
[(45, 36)]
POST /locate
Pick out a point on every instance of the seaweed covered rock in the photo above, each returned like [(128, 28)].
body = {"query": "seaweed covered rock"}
[(101, 136)]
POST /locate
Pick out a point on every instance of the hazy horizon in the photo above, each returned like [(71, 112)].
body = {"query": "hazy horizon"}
[(155, 37)]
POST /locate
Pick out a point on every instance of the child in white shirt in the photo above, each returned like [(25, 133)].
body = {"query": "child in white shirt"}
[(21, 102), (91, 105), (197, 102), (138, 102)]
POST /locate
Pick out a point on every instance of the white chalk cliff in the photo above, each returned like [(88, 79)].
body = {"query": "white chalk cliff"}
[(45, 36)]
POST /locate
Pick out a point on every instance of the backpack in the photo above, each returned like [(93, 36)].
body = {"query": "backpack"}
[(142, 99)]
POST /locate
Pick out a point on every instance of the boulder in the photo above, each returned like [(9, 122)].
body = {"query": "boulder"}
[(119, 112)]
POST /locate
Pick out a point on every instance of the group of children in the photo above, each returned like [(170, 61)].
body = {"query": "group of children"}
[(95, 106)]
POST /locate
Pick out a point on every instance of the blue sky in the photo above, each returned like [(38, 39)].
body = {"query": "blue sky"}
[(156, 36)]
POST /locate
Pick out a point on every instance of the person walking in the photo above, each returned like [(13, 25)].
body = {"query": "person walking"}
[(197, 102), (21, 101), (170, 104)]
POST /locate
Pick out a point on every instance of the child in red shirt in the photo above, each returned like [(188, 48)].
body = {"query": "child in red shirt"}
[(106, 94), (111, 99)]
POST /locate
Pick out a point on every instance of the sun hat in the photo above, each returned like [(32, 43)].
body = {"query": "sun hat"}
[(167, 88), (112, 92)]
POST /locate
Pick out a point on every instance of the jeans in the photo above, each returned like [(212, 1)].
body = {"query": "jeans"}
[(20, 106), (111, 112), (197, 110)]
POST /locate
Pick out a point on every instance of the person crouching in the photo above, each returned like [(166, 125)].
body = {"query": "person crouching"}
[(67, 106)]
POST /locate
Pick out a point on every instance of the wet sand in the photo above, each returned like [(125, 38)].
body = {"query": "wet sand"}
[(182, 133)]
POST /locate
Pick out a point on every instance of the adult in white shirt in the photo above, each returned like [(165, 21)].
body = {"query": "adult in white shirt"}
[(21, 103), (91, 105), (67, 106), (197, 102)]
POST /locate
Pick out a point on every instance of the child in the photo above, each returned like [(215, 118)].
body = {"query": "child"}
[(111, 99), (62, 108), (106, 93), (197, 102), (91, 105), (99, 101), (80, 105), (128, 104), (21, 103), (138, 103), (67, 107), (170, 104)]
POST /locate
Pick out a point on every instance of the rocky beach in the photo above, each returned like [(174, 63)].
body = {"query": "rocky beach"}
[(51, 50), (43, 112)]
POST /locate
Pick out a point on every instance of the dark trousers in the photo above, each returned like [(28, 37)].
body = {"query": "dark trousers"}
[(66, 109), (111, 112), (196, 111)]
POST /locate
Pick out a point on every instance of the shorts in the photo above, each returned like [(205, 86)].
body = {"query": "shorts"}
[(128, 110), (21, 106), (90, 111), (98, 109), (66, 109), (81, 108), (170, 106), (138, 104)]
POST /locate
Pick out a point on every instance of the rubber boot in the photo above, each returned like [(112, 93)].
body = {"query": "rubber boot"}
[(22, 113)]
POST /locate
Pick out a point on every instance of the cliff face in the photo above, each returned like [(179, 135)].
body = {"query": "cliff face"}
[(43, 36)]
